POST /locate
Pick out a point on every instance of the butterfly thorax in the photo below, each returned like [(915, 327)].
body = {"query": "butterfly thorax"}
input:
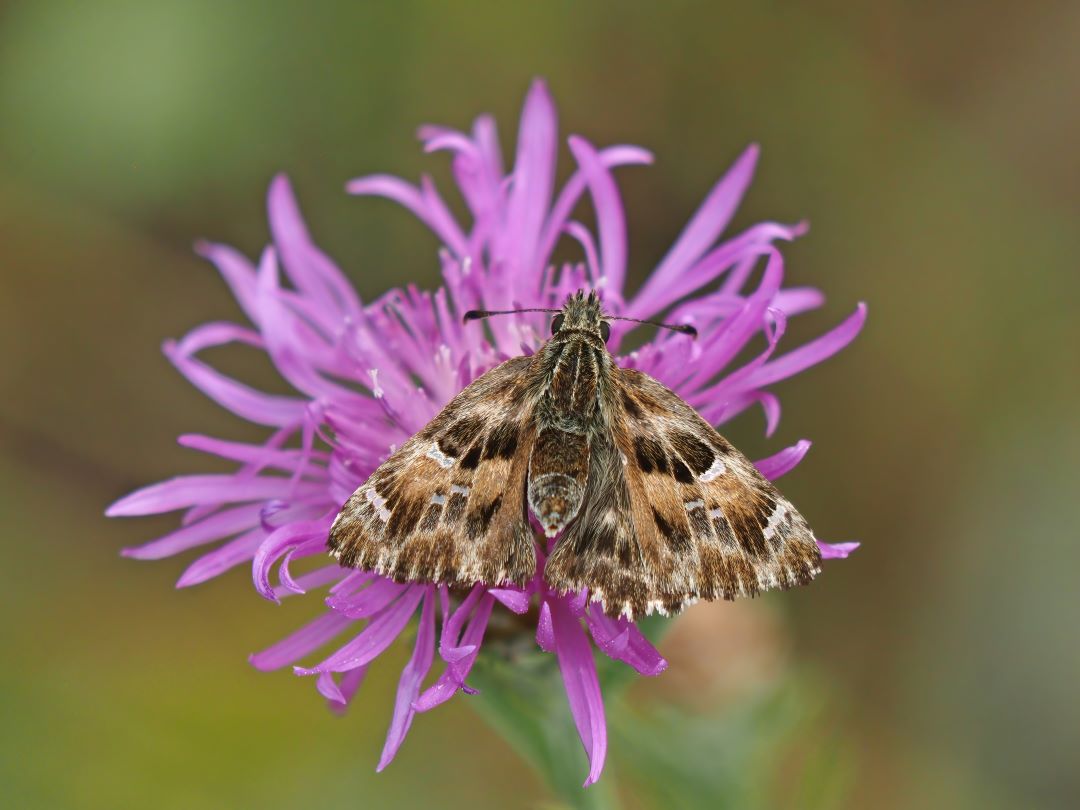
[(576, 370)]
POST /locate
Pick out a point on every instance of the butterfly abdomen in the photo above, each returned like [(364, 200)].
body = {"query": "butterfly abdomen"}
[(558, 469)]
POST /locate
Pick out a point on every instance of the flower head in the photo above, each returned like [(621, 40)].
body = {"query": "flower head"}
[(368, 376)]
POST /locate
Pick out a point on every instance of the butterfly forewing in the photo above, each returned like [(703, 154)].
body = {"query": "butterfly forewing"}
[(674, 513), (449, 506)]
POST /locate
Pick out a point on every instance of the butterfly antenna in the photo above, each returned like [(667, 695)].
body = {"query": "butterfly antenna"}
[(681, 328), (476, 314)]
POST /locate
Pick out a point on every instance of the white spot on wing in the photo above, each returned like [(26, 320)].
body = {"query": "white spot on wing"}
[(715, 471), (692, 505), (717, 512), (444, 460), (438, 499), (775, 518), (379, 502), (456, 490)]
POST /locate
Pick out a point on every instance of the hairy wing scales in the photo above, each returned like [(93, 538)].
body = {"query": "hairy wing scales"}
[(448, 507), (686, 517)]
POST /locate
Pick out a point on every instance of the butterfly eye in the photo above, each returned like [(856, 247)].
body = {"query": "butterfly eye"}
[(605, 331), (556, 324)]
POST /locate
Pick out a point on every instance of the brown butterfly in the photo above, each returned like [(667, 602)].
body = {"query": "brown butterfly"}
[(655, 508)]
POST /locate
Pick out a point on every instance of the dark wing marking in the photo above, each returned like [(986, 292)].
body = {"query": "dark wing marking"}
[(673, 513), (449, 506)]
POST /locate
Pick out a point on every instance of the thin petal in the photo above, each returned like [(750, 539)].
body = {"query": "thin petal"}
[(571, 192), (396, 189), (459, 666), (411, 677), (305, 640), (220, 560), (254, 406), (238, 272), (515, 600), (729, 257), (533, 177), (347, 687), (188, 490), (545, 632), (785, 461), (281, 542), (258, 454), (311, 270), (610, 221), (215, 527), (710, 220), (621, 640), (373, 639), (313, 579), (836, 551), (582, 685), (810, 354), (368, 601)]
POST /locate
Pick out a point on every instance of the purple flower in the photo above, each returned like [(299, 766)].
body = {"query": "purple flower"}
[(368, 376)]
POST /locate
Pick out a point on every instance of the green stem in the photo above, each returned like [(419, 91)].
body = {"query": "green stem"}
[(526, 705)]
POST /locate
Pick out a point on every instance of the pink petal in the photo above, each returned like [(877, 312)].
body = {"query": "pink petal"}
[(545, 632), (609, 213), (345, 689), (785, 461), (459, 665), (393, 188), (257, 454), (575, 187), (836, 551), (237, 271), (311, 270), (730, 257), (282, 541), (373, 639), (735, 380), (515, 600), (796, 300), (220, 560), (621, 640), (710, 220), (254, 406), (305, 640), (368, 601), (440, 218), (188, 490), (811, 353), (411, 678), (582, 685), (313, 579), (215, 527), (533, 177)]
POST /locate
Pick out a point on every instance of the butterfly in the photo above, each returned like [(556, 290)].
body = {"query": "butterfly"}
[(649, 508)]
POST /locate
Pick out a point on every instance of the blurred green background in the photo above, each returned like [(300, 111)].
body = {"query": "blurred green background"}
[(933, 148)]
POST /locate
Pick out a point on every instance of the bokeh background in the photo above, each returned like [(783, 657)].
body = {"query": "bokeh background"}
[(931, 145)]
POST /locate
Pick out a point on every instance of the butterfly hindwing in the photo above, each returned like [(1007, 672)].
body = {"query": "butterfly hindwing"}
[(448, 506), (676, 513)]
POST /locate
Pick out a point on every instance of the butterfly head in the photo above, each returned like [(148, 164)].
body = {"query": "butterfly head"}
[(581, 314)]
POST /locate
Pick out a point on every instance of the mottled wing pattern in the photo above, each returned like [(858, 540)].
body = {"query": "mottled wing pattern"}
[(674, 513), (449, 506)]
